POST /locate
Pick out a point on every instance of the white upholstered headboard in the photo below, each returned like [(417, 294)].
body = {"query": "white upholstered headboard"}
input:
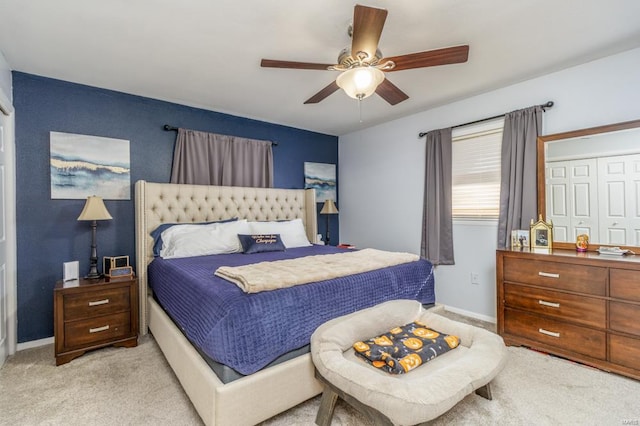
[(158, 203)]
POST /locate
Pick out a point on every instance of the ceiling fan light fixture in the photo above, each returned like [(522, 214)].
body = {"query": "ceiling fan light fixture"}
[(360, 82)]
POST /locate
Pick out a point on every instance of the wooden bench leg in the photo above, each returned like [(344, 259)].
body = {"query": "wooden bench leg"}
[(327, 405), (485, 391)]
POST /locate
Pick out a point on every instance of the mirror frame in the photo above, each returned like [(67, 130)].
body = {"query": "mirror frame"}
[(542, 140)]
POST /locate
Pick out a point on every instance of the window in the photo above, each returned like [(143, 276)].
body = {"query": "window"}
[(476, 170)]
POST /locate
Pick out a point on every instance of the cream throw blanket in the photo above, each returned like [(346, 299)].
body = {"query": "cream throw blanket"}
[(287, 273)]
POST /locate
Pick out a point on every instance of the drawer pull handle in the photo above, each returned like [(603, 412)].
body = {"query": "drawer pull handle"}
[(99, 302), (548, 275), (548, 333), (98, 329), (549, 304)]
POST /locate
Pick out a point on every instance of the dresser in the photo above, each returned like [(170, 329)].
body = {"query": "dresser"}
[(90, 314), (581, 306)]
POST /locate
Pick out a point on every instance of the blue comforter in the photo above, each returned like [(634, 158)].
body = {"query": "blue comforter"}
[(248, 331)]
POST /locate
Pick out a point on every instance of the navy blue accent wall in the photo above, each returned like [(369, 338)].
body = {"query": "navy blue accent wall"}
[(48, 231)]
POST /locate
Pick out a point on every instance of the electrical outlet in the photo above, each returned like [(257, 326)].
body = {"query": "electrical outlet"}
[(475, 278)]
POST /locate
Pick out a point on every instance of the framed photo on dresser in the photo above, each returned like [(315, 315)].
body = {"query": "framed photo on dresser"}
[(541, 234)]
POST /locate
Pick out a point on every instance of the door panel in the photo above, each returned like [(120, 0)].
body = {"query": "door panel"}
[(620, 203), (572, 198), (4, 342)]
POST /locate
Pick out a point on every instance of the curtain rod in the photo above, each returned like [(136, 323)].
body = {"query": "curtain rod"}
[(543, 106), (168, 128)]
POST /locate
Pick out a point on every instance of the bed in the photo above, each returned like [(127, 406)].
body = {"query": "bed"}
[(269, 390)]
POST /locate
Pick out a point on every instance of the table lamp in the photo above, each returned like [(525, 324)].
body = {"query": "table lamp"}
[(94, 210), (328, 208)]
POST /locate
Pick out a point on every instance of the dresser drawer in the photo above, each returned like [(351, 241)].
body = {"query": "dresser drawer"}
[(624, 317), (561, 335), (564, 276), (624, 351), (97, 330), (96, 303), (625, 284), (572, 308)]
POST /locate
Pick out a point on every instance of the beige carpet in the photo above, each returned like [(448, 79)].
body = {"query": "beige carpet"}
[(117, 386)]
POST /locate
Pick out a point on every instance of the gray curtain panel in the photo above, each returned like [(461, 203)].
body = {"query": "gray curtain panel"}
[(518, 191), (437, 229), (202, 158)]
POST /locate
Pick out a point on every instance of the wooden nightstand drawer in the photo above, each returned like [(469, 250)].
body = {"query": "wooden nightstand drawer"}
[(97, 330), (95, 303), (558, 305), (562, 335), (562, 276), (91, 314)]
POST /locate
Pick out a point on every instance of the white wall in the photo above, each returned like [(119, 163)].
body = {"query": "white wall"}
[(6, 89), (382, 168)]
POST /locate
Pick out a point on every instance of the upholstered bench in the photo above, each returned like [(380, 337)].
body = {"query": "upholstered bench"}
[(421, 394)]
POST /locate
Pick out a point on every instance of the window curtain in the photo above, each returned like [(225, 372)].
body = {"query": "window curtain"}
[(211, 159), (437, 229), (518, 190)]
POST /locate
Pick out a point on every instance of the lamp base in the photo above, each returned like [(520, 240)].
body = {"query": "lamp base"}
[(93, 260), (327, 237), (93, 276)]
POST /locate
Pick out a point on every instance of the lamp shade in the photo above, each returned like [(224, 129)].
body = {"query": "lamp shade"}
[(329, 207), (360, 82), (94, 209)]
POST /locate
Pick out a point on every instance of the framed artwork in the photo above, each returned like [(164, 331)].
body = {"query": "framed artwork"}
[(541, 234), (83, 165), (321, 177), (519, 239)]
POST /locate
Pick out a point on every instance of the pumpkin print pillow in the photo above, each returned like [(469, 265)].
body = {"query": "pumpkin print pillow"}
[(404, 348)]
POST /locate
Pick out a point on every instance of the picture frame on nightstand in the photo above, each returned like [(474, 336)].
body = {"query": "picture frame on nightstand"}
[(121, 273), (109, 262)]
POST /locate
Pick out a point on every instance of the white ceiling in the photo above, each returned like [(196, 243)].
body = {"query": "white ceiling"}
[(206, 53)]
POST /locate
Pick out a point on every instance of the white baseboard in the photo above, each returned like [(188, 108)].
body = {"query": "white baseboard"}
[(470, 314), (35, 343)]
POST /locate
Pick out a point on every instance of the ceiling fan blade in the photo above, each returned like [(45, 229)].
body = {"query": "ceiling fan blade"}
[(274, 63), (390, 92), (367, 28), (323, 93), (430, 58)]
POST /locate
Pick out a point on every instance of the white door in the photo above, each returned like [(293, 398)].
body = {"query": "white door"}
[(584, 199), (619, 202), (571, 193), (634, 200), (4, 181), (558, 188)]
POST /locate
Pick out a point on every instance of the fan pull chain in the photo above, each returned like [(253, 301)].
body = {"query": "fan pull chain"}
[(360, 109)]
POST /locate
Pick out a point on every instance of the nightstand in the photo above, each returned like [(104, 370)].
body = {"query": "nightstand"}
[(91, 314)]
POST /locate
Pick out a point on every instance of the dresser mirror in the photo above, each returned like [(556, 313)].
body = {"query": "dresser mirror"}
[(589, 183)]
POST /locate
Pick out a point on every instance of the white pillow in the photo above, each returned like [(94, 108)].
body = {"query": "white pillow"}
[(215, 238), (169, 234), (291, 232)]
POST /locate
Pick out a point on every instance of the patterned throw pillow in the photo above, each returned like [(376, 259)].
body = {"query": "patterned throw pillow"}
[(404, 348), (260, 243)]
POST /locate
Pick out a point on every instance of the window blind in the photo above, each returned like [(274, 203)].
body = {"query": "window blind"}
[(476, 170)]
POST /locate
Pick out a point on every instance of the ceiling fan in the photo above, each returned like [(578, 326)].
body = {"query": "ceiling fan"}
[(362, 66)]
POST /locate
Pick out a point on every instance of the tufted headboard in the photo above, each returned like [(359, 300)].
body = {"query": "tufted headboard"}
[(158, 203)]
